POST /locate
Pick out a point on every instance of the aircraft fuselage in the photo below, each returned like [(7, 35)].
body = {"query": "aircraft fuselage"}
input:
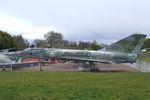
[(93, 56), (76, 55)]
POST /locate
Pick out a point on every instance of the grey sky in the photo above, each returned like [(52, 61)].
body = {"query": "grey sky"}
[(102, 20)]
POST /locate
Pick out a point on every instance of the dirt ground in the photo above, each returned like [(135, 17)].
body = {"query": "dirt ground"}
[(74, 67)]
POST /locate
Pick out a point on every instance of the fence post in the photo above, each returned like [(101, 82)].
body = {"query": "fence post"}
[(40, 65), (11, 67)]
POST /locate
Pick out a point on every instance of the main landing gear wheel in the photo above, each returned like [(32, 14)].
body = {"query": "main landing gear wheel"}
[(88, 66)]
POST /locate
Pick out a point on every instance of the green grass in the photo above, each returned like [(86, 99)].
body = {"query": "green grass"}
[(74, 86)]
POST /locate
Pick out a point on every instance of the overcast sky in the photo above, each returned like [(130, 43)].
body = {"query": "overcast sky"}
[(103, 20)]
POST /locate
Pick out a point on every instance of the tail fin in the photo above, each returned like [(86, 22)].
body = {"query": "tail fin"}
[(130, 44)]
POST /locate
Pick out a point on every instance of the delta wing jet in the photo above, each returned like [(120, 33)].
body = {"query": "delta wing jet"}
[(123, 51)]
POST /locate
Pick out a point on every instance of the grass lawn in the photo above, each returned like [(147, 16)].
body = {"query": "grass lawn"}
[(74, 86)]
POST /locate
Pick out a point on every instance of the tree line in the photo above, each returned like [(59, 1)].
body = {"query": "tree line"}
[(14, 43), (56, 40), (51, 40)]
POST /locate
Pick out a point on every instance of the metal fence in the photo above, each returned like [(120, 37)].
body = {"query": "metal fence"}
[(16, 66)]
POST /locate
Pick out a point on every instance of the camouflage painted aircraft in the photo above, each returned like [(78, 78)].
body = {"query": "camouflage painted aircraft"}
[(123, 51)]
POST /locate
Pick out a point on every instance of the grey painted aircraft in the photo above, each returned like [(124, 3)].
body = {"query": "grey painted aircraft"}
[(123, 51)]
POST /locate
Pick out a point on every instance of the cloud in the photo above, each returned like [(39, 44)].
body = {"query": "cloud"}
[(103, 20), (18, 26), (10, 23)]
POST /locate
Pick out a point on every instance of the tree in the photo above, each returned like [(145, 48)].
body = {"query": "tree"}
[(55, 39), (84, 45), (95, 46), (6, 41), (69, 44), (146, 44), (73, 44), (66, 44), (40, 43), (21, 42)]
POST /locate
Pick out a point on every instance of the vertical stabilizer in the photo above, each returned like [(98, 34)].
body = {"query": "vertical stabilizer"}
[(130, 44)]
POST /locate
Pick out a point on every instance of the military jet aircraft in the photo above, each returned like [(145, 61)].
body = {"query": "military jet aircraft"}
[(123, 51)]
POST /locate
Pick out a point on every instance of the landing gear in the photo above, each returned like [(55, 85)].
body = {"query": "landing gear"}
[(88, 66)]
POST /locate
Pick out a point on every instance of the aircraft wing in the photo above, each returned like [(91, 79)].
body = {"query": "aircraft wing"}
[(84, 59)]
